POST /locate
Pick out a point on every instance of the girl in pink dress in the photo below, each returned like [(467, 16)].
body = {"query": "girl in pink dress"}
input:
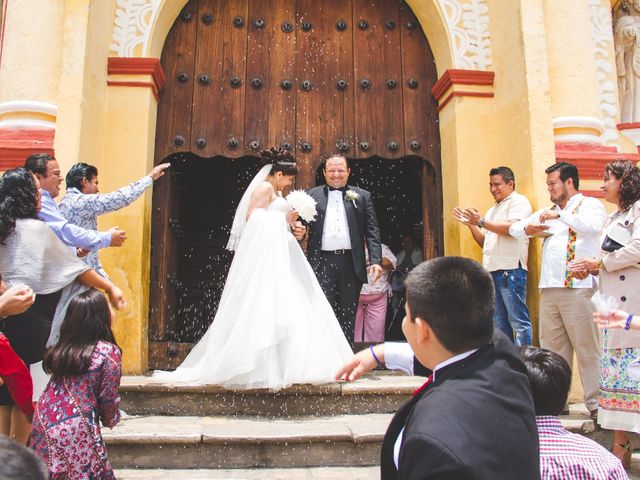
[(85, 367)]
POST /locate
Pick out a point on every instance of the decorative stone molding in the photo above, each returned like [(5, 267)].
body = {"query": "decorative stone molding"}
[(468, 28), (578, 129), (29, 114), (462, 83), (136, 72), (17, 144), (631, 130), (132, 26), (590, 159), (605, 70)]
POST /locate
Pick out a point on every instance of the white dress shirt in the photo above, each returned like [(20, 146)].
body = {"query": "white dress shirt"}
[(503, 252), (586, 215), (335, 231)]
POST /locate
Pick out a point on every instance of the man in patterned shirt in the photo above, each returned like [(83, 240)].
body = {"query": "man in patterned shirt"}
[(563, 454), (82, 203)]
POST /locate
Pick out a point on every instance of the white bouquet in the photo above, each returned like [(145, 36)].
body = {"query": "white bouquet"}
[(302, 203)]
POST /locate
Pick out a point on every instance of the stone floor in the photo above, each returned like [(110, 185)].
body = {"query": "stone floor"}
[(323, 473)]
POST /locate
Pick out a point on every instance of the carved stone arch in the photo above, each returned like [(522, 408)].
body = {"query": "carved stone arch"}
[(457, 30)]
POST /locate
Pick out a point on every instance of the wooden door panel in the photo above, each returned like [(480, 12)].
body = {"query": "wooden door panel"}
[(175, 107), (218, 106), (379, 117), (324, 115), (419, 105), (270, 110), (164, 264)]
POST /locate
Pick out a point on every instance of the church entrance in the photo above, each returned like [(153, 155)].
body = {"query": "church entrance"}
[(349, 76)]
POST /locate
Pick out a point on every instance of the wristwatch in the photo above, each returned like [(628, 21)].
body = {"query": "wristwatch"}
[(481, 223)]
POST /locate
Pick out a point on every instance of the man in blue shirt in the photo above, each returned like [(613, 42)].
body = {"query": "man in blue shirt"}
[(47, 170)]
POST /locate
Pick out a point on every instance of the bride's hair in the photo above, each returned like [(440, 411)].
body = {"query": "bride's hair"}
[(281, 159)]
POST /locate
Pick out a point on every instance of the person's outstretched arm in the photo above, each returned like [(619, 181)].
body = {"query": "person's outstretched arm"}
[(101, 203)]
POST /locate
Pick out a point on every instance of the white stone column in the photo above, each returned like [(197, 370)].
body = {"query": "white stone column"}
[(575, 95), (31, 64)]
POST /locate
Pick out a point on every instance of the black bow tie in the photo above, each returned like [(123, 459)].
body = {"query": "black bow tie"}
[(342, 189)]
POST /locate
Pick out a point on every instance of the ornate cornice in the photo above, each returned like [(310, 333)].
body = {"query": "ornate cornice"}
[(119, 67), (447, 86)]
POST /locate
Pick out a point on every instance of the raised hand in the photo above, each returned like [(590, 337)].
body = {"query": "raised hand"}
[(117, 236), (460, 215), (158, 171)]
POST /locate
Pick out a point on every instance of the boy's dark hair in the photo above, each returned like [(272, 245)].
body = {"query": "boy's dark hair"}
[(549, 377), (20, 463), (455, 296), (567, 171), (88, 320)]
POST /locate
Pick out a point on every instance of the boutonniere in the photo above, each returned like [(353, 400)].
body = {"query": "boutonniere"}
[(352, 196)]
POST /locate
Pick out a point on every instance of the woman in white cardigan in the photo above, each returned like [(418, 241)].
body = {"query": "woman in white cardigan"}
[(619, 279)]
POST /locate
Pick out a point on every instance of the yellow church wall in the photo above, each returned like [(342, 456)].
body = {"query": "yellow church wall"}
[(130, 121), (83, 85), (32, 51)]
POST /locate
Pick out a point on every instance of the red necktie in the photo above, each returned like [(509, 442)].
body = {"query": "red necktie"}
[(424, 385)]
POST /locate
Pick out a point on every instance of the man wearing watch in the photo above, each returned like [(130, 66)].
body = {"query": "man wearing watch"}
[(504, 256)]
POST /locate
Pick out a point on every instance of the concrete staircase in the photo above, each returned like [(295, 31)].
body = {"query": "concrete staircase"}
[(206, 432)]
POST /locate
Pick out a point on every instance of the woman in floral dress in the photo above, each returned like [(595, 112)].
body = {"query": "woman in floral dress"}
[(85, 369), (619, 401)]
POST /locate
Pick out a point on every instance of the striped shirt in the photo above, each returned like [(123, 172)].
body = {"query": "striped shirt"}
[(565, 455)]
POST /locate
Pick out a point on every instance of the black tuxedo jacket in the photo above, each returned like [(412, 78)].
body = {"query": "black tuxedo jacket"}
[(475, 421), (363, 226)]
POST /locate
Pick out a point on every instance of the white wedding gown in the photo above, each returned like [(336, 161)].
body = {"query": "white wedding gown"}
[(274, 327)]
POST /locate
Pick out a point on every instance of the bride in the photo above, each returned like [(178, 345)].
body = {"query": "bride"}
[(274, 326)]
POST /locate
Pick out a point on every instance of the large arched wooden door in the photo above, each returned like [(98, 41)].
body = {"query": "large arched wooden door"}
[(318, 76)]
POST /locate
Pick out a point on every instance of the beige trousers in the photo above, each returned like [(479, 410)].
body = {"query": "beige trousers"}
[(566, 325)]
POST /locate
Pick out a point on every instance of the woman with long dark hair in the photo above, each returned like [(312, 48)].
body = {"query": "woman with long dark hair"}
[(619, 399), (32, 255), (85, 367)]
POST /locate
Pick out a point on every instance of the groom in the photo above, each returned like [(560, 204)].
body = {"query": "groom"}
[(336, 246)]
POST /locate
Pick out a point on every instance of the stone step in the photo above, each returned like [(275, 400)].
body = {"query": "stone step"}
[(225, 442), (245, 442), (380, 392), (316, 473)]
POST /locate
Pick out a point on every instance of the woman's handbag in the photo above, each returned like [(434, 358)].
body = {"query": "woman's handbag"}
[(610, 245)]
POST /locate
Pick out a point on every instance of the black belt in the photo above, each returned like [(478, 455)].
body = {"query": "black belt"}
[(342, 251)]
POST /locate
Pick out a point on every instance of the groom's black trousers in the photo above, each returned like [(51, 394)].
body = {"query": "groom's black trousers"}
[(341, 286)]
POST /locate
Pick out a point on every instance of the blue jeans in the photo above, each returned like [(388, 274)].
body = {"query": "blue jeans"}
[(512, 314)]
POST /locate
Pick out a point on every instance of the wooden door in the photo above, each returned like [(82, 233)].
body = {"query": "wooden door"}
[(318, 77)]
